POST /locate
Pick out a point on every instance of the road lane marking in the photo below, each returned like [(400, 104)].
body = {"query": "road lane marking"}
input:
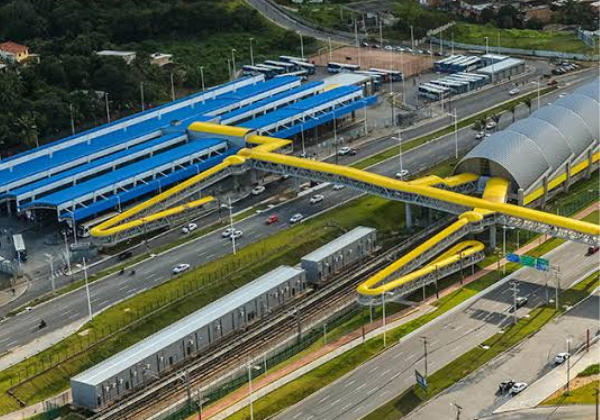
[(347, 406), (398, 355), (349, 383), (325, 398), (410, 357), (374, 369), (297, 415), (361, 387), (357, 409), (335, 402), (385, 372)]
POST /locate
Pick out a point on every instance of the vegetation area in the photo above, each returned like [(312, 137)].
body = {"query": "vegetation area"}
[(36, 103), (478, 356), (125, 324), (519, 38)]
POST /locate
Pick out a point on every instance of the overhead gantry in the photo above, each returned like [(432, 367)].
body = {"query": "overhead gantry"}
[(448, 194)]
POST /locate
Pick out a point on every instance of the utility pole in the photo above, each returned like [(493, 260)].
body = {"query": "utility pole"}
[(412, 38), (330, 50), (425, 343), (87, 290), (202, 77), (514, 287), (172, 87), (72, 119), (251, 52), (231, 226), (556, 290), (597, 394), (568, 365), (301, 46), (380, 33), (107, 107), (233, 70), (142, 96)]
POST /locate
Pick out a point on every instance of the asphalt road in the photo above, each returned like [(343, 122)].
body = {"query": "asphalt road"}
[(577, 412), (527, 362), (451, 335), (70, 308)]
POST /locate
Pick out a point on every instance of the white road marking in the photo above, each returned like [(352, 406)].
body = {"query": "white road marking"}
[(335, 402), (361, 387), (385, 372), (349, 383), (357, 409), (347, 406), (297, 415), (325, 398), (398, 355), (374, 369), (410, 357)]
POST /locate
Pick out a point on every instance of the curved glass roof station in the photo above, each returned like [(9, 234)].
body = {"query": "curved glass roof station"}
[(542, 143)]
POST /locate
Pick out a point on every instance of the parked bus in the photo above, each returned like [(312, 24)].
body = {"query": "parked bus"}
[(274, 69), (290, 67), (395, 75), (291, 59), (376, 78), (310, 68), (301, 73), (20, 250), (432, 92), (342, 68), (83, 229), (255, 70)]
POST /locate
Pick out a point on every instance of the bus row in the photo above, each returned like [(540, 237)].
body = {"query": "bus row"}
[(286, 65), (386, 75)]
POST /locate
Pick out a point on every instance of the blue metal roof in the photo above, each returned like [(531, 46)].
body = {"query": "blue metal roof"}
[(142, 189), (126, 172), (47, 162), (267, 101), (94, 164), (113, 123), (300, 106)]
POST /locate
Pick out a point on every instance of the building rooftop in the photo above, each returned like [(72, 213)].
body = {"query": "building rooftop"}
[(346, 79), (338, 244), (185, 327), (114, 53), (502, 65), (13, 47)]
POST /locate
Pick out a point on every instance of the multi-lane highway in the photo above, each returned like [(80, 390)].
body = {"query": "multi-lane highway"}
[(71, 308), (526, 362), (449, 336)]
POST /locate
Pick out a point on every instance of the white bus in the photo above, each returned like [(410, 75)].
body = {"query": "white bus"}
[(342, 68), (284, 64), (20, 250), (274, 69), (290, 59), (310, 68), (83, 229), (395, 75)]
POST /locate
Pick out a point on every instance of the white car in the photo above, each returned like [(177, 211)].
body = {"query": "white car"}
[(403, 173), (236, 234), (316, 199), (296, 218), (344, 151), (490, 125), (189, 228), (514, 91), (258, 189), (480, 135), (338, 187), (227, 232), (180, 268), (561, 358), (562, 95), (518, 387), (388, 48)]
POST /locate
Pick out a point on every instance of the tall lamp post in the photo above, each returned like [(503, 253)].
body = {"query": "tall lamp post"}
[(251, 52), (399, 138), (383, 316), (250, 392), (233, 71)]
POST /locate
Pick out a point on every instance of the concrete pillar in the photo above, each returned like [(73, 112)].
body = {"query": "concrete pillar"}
[(493, 237), (521, 198), (408, 216), (8, 209), (296, 181), (568, 181), (588, 171), (253, 176)]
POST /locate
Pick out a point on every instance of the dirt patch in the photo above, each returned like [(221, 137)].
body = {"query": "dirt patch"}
[(575, 383), (407, 63)]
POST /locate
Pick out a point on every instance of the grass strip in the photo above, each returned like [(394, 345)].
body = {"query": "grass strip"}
[(129, 322), (589, 371), (478, 356), (320, 377)]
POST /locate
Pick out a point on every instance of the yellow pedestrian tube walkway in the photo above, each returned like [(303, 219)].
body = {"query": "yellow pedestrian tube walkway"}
[(496, 190)]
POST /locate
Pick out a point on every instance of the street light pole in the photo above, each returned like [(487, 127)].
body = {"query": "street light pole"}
[(172, 87), (455, 134), (383, 315), (412, 38), (514, 287), (487, 47), (87, 290), (142, 96), (67, 254), (301, 46), (202, 77), (568, 365), (107, 107), (233, 64), (330, 51), (251, 52), (425, 343), (231, 226)]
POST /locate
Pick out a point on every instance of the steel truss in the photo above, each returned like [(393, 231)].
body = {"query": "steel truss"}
[(547, 229)]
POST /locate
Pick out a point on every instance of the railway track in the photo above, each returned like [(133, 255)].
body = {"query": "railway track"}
[(283, 325)]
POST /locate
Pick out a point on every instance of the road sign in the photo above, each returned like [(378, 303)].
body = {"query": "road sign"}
[(542, 264), (421, 380), (528, 261), (514, 258)]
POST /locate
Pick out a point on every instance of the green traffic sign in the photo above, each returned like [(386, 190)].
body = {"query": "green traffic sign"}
[(528, 261)]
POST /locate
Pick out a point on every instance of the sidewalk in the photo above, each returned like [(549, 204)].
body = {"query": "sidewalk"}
[(537, 392), (12, 294), (239, 399)]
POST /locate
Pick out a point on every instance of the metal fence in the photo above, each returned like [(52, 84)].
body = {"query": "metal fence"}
[(272, 358), (518, 51)]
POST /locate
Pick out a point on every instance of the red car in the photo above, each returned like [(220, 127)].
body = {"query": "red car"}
[(272, 219)]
